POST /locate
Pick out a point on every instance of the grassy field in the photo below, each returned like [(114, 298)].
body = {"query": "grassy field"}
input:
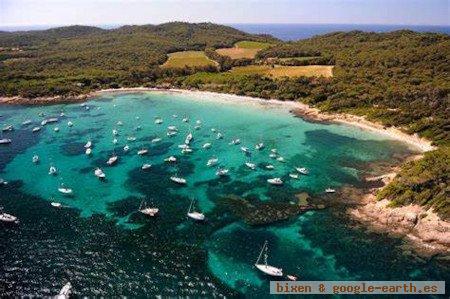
[(285, 71), (243, 49), (188, 58)]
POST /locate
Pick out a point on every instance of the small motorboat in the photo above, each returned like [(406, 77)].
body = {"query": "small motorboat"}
[(3, 182), (44, 122), (275, 181), (119, 123), (212, 162), (174, 115), (270, 166), (178, 180), (146, 210), (194, 214), (206, 145), (8, 128), (56, 205), (5, 141), (198, 127), (65, 191), (155, 140), (330, 190), (62, 114), (171, 133), (183, 146), (198, 122), (138, 128), (126, 148), (52, 120), (26, 122), (131, 138), (35, 159), (259, 146), (188, 139), (88, 151), (250, 165), (273, 156), (170, 159), (172, 128), (291, 277), (302, 170), (186, 119), (219, 136), (36, 129), (264, 267), (88, 144), (186, 150), (69, 124), (4, 217), (222, 172), (142, 152), (158, 121), (274, 151), (115, 141), (146, 166), (235, 141), (52, 170), (244, 149), (56, 129), (115, 132), (99, 173), (112, 160), (281, 159), (293, 175), (214, 130)]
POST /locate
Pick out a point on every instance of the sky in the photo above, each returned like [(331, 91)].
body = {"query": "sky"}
[(101, 12)]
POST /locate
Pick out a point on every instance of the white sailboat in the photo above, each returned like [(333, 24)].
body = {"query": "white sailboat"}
[(250, 165), (170, 159), (65, 291), (186, 119), (99, 173), (259, 146), (115, 132), (26, 122), (302, 170), (264, 267), (146, 166), (131, 138), (52, 170), (244, 149), (158, 121), (178, 180), (56, 129), (142, 152), (126, 148), (222, 172), (281, 159), (69, 124), (56, 204), (186, 150), (65, 190), (8, 217), (88, 151), (88, 144), (112, 160), (5, 141), (146, 210), (171, 133), (35, 159), (172, 128), (330, 190), (194, 214), (270, 166), (8, 128), (115, 141), (155, 140), (275, 181), (212, 162), (188, 139), (293, 175), (36, 129), (219, 136), (235, 141)]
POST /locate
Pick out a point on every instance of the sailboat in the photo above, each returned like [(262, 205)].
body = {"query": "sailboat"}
[(158, 121), (172, 128), (112, 160), (178, 180), (115, 132), (171, 133), (188, 139), (35, 159), (222, 172), (88, 151), (126, 148), (259, 146), (219, 136), (64, 190), (65, 291), (146, 166), (5, 141), (155, 140), (302, 170), (206, 145), (194, 214), (88, 144), (264, 267), (250, 165), (170, 159), (99, 173), (330, 190), (142, 152), (275, 181), (146, 210), (36, 129), (212, 162), (26, 122), (69, 124), (7, 218), (52, 170)]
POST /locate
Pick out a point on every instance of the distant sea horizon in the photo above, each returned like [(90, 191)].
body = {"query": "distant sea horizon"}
[(284, 32)]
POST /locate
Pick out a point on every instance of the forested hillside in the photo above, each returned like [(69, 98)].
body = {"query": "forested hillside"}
[(56, 61)]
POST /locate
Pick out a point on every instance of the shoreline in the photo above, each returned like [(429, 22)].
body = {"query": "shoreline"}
[(428, 234)]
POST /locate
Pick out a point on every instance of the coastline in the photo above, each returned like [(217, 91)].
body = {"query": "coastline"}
[(428, 233)]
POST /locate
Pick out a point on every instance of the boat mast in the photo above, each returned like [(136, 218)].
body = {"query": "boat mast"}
[(260, 254)]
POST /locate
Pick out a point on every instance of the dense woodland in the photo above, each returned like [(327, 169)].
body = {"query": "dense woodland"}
[(399, 78)]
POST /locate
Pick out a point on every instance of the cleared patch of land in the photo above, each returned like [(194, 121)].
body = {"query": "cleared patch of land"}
[(188, 58), (285, 71), (243, 49)]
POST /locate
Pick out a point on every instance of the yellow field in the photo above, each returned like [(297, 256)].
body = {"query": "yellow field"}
[(188, 58), (286, 71), (243, 49)]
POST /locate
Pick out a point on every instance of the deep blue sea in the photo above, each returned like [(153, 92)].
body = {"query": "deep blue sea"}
[(101, 243), (286, 31)]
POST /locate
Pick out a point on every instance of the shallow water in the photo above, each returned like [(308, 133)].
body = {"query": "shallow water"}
[(99, 242)]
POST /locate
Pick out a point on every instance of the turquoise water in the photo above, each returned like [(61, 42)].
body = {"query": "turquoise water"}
[(104, 247)]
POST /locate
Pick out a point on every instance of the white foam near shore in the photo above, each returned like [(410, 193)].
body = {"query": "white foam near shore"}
[(414, 141)]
